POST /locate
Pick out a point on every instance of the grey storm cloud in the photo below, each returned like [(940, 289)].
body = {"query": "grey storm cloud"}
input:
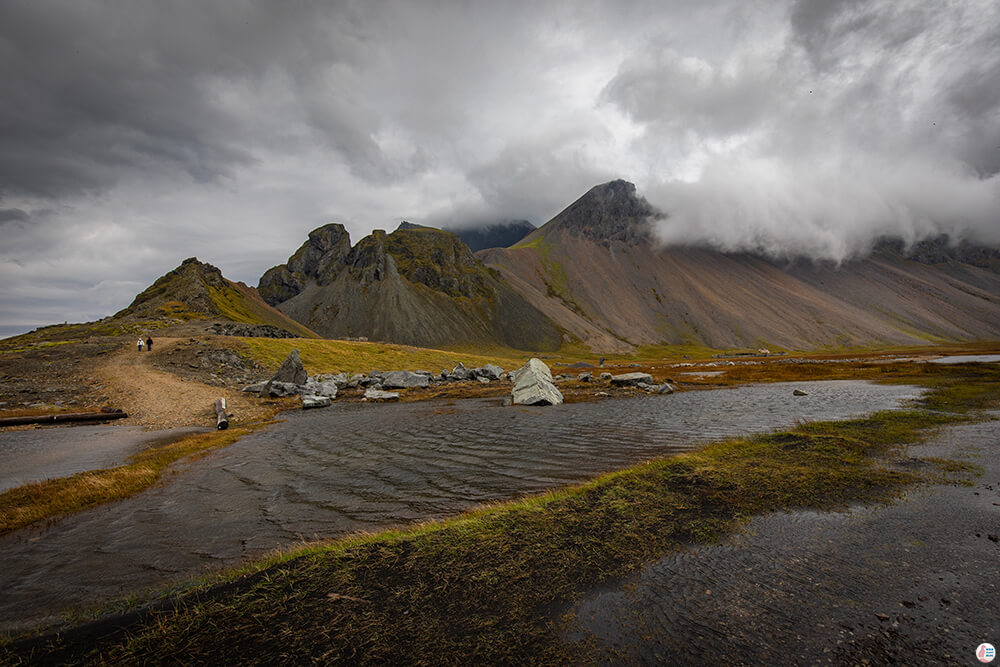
[(136, 133)]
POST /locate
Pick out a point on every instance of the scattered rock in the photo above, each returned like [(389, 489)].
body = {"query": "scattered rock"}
[(585, 377), (581, 364), (533, 385), (602, 393), (665, 388), (291, 370), (327, 388), (489, 371), (799, 392), (274, 389), (254, 388), (404, 380), (460, 373), (605, 376), (312, 401), (483, 380), (379, 395), (250, 330), (631, 379)]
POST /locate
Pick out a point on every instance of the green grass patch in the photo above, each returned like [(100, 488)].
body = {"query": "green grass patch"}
[(483, 587)]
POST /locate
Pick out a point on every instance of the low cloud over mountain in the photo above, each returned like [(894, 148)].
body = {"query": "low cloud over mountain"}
[(133, 134)]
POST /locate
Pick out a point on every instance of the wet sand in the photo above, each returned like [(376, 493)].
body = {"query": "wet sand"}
[(911, 583), (350, 467)]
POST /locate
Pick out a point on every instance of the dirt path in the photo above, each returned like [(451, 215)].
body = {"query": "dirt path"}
[(156, 399)]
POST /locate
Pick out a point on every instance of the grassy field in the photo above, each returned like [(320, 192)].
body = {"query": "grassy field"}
[(335, 356), (488, 586)]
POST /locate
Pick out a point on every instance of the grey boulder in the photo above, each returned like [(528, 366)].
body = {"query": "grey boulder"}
[(489, 371), (404, 380), (312, 401), (275, 389), (585, 377), (291, 370), (379, 395), (533, 385), (326, 388), (631, 379)]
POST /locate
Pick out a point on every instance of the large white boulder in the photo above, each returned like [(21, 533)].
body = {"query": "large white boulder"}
[(533, 385)]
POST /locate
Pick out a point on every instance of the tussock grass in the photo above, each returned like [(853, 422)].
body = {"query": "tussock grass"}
[(28, 504), (484, 587)]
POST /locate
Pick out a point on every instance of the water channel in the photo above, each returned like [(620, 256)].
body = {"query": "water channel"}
[(354, 467)]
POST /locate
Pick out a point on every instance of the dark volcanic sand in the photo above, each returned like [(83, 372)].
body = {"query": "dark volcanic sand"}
[(809, 587)]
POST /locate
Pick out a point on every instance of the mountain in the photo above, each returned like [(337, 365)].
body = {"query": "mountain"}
[(417, 285), (595, 270), (198, 291), (497, 235)]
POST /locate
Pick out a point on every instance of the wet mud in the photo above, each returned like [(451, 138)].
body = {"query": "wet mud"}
[(911, 583), (351, 467)]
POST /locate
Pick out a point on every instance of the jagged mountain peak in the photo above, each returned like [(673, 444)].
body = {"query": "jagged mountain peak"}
[(610, 211)]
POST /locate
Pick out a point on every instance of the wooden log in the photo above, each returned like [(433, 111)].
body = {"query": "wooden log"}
[(221, 418), (62, 417)]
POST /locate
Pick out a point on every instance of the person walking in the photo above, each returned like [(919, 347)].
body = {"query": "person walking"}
[(140, 345), (149, 344)]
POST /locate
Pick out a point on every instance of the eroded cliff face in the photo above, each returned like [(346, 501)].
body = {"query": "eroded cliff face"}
[(417, 286)]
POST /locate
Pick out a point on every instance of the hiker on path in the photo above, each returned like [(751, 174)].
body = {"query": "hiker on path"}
[(149, 344), (140, 345)]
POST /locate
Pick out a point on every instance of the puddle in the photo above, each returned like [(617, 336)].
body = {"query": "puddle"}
[(43, 453), (968, 359)]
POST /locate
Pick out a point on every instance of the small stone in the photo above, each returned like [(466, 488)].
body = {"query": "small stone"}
[(310, 401), (631, 379), (799, 392), (379, 395)]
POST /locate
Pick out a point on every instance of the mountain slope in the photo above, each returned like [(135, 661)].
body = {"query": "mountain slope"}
[(596, 272), (417, 286), (198, 291)]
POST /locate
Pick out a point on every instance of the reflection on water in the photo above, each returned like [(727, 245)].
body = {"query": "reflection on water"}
[(43, 453), (362, 467), (968, 359)]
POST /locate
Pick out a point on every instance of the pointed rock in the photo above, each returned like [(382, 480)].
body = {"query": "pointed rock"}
[(533, 385), (291, 370)]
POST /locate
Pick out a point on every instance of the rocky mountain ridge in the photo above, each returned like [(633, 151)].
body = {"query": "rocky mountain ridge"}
[(417, 285)]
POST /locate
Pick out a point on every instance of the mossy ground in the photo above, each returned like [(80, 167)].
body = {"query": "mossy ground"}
[(484, 587)]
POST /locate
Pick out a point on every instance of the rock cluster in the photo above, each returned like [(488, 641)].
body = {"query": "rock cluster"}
[(292, 379)]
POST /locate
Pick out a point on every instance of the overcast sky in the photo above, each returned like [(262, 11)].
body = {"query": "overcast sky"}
[(135, 134)]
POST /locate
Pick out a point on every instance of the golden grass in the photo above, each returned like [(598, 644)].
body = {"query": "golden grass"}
[(335, 356)]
